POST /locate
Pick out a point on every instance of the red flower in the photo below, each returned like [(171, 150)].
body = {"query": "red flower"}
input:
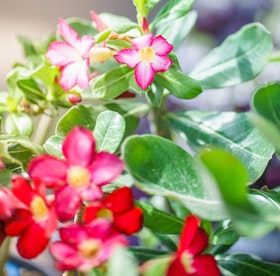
[(188, 259), (119, 208), (80, 176), (34, 222)]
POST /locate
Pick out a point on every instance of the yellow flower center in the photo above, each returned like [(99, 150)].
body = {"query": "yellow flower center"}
[(89, 248), (38, 208), (105, 213), (147, 54), (187, 261), (78, 176), (100, 54)]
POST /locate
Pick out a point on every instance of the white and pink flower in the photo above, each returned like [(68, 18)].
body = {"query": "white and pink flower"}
[(148, 56), (72, 56)]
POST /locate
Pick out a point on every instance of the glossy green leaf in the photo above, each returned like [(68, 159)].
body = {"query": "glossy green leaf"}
[(159, 221), (241, 264), (265, 103), (110, 85), (227, 130), (53, 146), (163, 168), (179, 84), (156, 267), (121, 263), (155, 95), (82, 27), (239, 58), (18, 124), (27, 45), (109, 131), (172, 10)]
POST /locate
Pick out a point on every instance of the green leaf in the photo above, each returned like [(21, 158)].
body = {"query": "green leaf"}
[(178, 84), (154, 95), (241, 264), (82, 27), (239, 58), (18, 124), (163, 168), (27, 45), (31, 90), (172, 10), (224, 234), (109, 131), (5, 177), (265, 103), (159, 221), (3, 101), (230, 131), (253, 214), (176, 32), (121, 263), (81, 115), (143, 254), (110, 85), (53, 146)]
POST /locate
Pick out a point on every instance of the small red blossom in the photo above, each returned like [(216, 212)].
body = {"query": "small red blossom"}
[(148, 56), (35, 222), (189, 260), (84, 247), (119, 208), (79, 177)]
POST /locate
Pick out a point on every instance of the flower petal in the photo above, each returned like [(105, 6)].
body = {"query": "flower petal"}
[(161, 63), (75, 73), (120, 200), (79, 147), (130, 57), (189, 231), (199, 242), (161, 46), (32, 242), (144, 74), (129, 222), (73, 234), (105, 168), (176, 268), (68, 201), (142, 41), (48, 169), (85, 45), (205, 265), (62, 54), (68, 33), (91, 193)]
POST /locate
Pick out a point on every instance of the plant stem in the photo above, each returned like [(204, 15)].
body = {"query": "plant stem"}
[(4, 253), (158, 122), (42, 129)]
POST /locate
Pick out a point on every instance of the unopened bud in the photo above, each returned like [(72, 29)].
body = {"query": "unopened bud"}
[(74, 98)]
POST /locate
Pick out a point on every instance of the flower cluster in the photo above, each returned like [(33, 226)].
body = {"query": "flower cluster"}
[(61, 190)]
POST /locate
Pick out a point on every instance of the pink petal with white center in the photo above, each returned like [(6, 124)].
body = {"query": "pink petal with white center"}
[(144, 74), (161, 46), (106, 167), (142, 41), (86, 44), (68, 33), (130, 57), (75, 73), (61, 54), (68, 202), (48, 169), (79, 147), (161, 63)]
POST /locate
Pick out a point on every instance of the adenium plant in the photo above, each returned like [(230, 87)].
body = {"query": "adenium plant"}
[(110, 186)]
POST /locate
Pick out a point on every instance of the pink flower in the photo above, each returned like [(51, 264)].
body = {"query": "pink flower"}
[(84, 247), (189, 260), (72, 56), (79, 177), (35, 221), (148, 56)]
